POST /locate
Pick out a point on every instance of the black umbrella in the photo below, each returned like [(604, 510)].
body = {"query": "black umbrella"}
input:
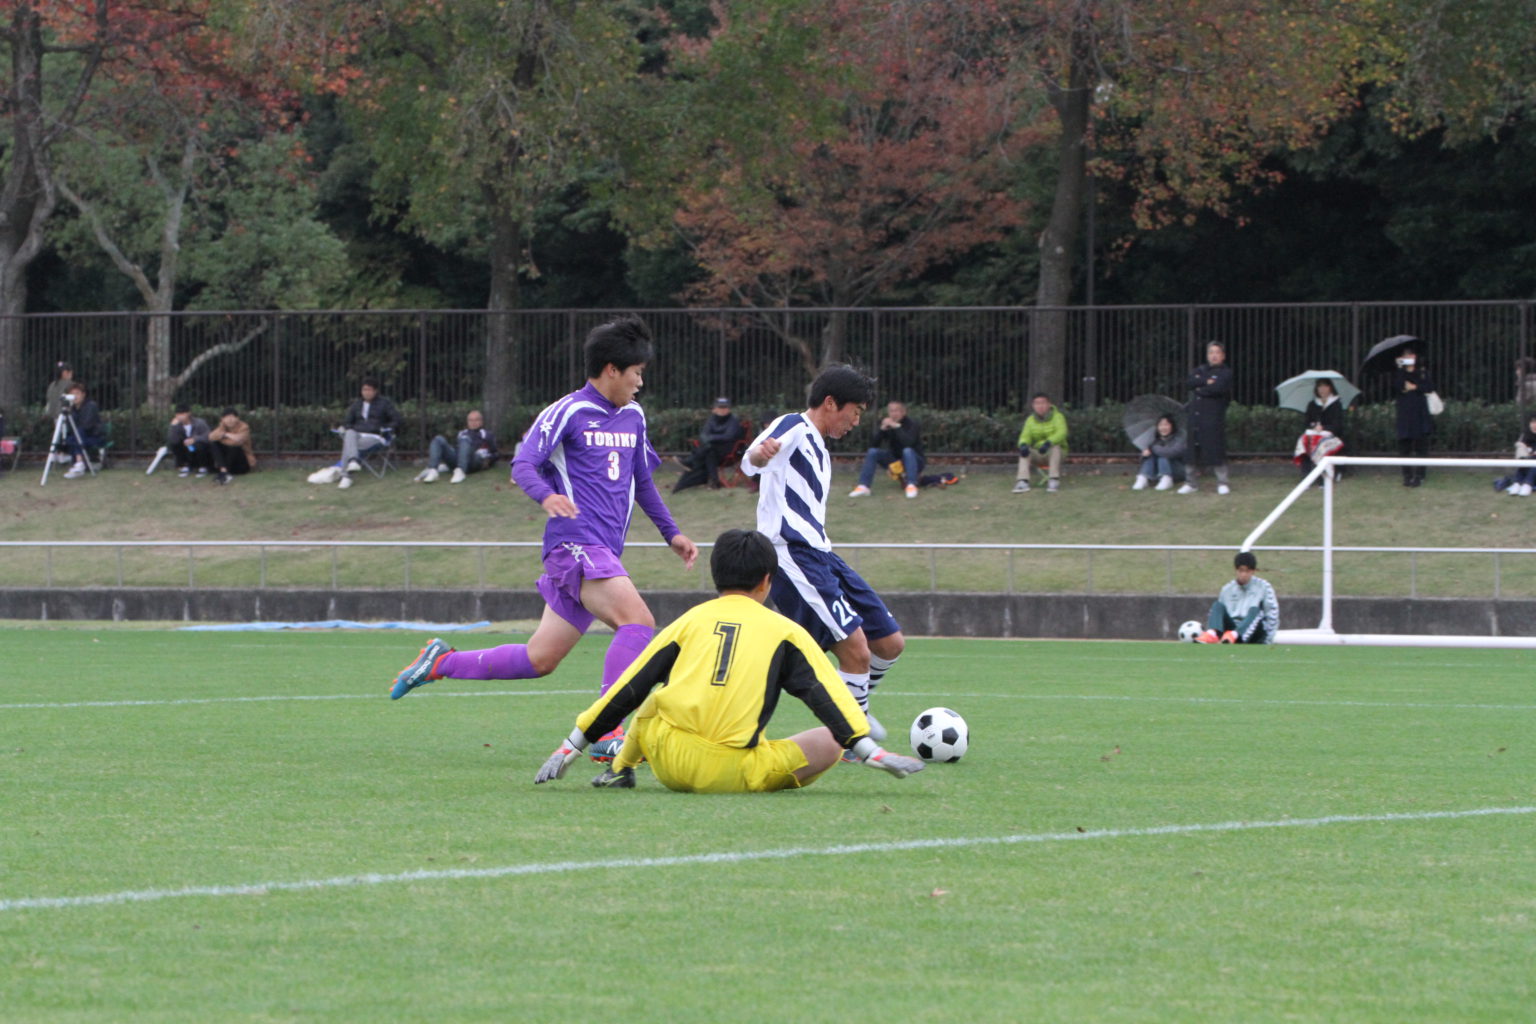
[(1383, 355), (1143, 412)]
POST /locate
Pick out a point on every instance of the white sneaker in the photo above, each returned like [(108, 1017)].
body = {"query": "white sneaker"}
[(911, 490), (1223, 489), (1021, 487), (1140, 484), (328, 475), (1525, 490), (1052, 486), (1514, 490), (859, 492), (442, 467), (1187, 489), (353, 466), (428, 476), (75, 472), (1165, 483), (344, 482), (458, 477)]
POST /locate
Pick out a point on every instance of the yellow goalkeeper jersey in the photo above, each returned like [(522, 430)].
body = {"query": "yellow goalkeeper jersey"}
[(721, 667)]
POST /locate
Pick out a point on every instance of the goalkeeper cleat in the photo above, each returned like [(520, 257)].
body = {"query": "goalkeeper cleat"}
[(1229, 637), (606, 747), (1208, 637), (610, 779), (421, 671)]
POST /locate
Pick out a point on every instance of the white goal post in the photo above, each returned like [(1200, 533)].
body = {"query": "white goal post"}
[(1325, 633)]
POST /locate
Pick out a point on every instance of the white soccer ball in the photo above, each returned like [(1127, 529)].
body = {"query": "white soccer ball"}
[(1190, 631), (939, 734)]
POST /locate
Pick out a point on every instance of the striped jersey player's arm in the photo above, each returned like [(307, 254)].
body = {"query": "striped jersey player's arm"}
[(653, 666), (803, 672)]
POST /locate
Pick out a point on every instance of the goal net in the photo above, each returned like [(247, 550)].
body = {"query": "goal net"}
[(1325, 633)]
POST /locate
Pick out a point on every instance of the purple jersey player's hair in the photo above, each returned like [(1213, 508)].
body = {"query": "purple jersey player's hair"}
[(624, 341)]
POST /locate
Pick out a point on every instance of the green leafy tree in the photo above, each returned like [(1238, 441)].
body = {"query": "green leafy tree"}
[(479, 112)]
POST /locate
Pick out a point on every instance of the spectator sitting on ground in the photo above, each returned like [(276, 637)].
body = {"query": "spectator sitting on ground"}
[(187, 438), (1163, 457), (1246, 611), (896, 438), (86, 417), (1042, 441), (231, 447), (474, 450), (370, 423), (1518, 484), (717, 437)]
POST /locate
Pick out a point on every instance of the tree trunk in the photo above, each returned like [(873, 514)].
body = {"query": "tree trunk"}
[(1058, 242), (834, 338), (24, 201), (501, 341)]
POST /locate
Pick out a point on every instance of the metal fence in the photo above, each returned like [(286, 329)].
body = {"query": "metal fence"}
[(944, 358)]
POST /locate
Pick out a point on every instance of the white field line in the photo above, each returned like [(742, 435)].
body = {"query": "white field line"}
[(382, 695), (730, 857), (1284, 702), (1109, 698)]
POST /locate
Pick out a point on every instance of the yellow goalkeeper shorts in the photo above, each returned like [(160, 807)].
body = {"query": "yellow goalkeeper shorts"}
[(689, 763)]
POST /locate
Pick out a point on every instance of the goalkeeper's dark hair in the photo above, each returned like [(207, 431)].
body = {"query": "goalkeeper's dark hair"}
[(843, 384), (623, 341), (741, 559), (1245, 560)]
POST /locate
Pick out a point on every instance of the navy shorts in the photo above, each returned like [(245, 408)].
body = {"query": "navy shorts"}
[(821, 592)]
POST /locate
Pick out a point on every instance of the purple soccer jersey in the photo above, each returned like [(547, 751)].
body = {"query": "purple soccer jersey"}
[(597, 455)]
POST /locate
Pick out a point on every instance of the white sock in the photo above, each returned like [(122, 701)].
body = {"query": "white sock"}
[(878, 667), (858, 685)]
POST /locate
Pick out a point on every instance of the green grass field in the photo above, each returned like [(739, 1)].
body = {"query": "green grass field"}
[(242, 827)]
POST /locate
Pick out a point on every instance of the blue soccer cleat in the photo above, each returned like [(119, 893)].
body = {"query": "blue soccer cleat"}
[(419, 672), (606, 747)]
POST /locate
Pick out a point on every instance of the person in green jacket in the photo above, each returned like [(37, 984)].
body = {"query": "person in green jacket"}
[(1042, 442)]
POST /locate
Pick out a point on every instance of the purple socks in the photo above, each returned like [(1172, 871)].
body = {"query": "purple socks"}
[(509, 661), (628, 642)]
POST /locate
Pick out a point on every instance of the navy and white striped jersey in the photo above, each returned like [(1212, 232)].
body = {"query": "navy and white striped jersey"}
[(792, 500)]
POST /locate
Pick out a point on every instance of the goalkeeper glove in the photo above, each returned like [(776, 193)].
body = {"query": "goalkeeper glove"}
[(555, 765), (1042, 447), (1023, 451), (871, 753)]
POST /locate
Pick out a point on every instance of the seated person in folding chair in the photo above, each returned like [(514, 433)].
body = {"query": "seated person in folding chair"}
[(896, 438), (86, 416), (187, 438), (718, 438), (474, 450), (232, 451), (370, 424)]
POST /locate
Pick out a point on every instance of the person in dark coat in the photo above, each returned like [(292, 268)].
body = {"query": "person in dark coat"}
[(896, 438), (717, 437), (1210, 392), (1411, 384)]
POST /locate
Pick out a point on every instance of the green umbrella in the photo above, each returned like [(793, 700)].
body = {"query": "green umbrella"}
[(1298, 391)]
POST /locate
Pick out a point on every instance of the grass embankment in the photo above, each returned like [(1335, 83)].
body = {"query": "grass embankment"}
[(1456, 508)]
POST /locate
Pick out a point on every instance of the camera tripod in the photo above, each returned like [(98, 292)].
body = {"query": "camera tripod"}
[(64, 428)]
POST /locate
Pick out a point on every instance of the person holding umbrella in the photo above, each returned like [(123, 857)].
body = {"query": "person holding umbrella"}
[(1210, 392), (1321, 396)]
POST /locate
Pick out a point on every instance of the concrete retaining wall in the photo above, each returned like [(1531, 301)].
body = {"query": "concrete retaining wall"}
[(1100, 616)]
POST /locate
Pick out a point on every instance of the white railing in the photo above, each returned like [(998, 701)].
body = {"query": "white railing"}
[(852, 551)]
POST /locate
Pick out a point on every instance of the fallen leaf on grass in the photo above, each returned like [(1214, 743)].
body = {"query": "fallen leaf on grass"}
[(1110, 755), (939, 892)]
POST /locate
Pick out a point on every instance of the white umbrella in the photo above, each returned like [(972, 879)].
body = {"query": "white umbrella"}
[(1299, 390)]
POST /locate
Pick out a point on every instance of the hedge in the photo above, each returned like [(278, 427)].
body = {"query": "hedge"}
[(1464, 427)]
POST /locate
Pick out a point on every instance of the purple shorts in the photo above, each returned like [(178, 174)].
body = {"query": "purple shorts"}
[(564, 569)]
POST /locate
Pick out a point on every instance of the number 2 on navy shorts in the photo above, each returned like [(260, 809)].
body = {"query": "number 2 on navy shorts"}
[(821, 592)]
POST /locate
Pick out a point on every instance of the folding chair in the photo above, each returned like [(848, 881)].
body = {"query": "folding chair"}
[(380, 460), (732, 460)]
